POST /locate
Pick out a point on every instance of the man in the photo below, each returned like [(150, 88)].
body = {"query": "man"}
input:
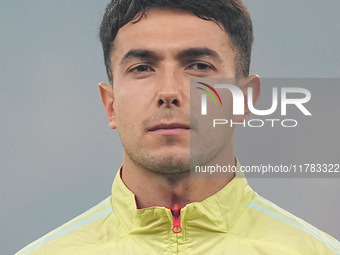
[(152, 49)]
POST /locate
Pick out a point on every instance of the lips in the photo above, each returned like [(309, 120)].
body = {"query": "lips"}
[(171, 126)]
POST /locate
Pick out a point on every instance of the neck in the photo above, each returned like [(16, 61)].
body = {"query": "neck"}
[(152, 189)]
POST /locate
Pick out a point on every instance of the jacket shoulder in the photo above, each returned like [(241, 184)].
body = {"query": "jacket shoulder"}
[(278, 226), (73, 235)]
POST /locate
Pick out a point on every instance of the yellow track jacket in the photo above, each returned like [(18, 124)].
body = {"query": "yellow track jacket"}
[(234, 221)]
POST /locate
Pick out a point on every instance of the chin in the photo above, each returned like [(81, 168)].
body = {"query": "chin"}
[(168, 164)]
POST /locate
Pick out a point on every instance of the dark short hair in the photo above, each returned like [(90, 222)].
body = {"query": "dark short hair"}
[(231, 14)]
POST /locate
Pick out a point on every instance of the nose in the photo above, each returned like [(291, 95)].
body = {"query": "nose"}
[(168, 100), (170, 90)]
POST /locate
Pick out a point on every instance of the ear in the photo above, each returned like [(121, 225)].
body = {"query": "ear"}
[(106, 93), (253, 82)]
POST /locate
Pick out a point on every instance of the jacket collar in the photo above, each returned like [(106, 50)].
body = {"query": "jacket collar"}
[(216, 213)]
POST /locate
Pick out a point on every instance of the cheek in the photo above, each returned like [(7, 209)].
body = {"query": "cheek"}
[(129, 111), (226, 110), (125, 115)]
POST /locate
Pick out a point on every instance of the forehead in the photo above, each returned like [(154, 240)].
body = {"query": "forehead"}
[(166, 31)]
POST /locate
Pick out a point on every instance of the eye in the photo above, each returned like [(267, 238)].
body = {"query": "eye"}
[(141, 69), (200, 67)]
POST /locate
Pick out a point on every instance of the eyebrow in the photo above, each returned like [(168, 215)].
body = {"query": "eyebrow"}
[(185, 54), (198, 52), (140, 54)]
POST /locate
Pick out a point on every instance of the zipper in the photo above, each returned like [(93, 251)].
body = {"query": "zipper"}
[(176, 219)]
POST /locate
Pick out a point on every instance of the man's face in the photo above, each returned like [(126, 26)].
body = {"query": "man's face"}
[(152, 63)]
